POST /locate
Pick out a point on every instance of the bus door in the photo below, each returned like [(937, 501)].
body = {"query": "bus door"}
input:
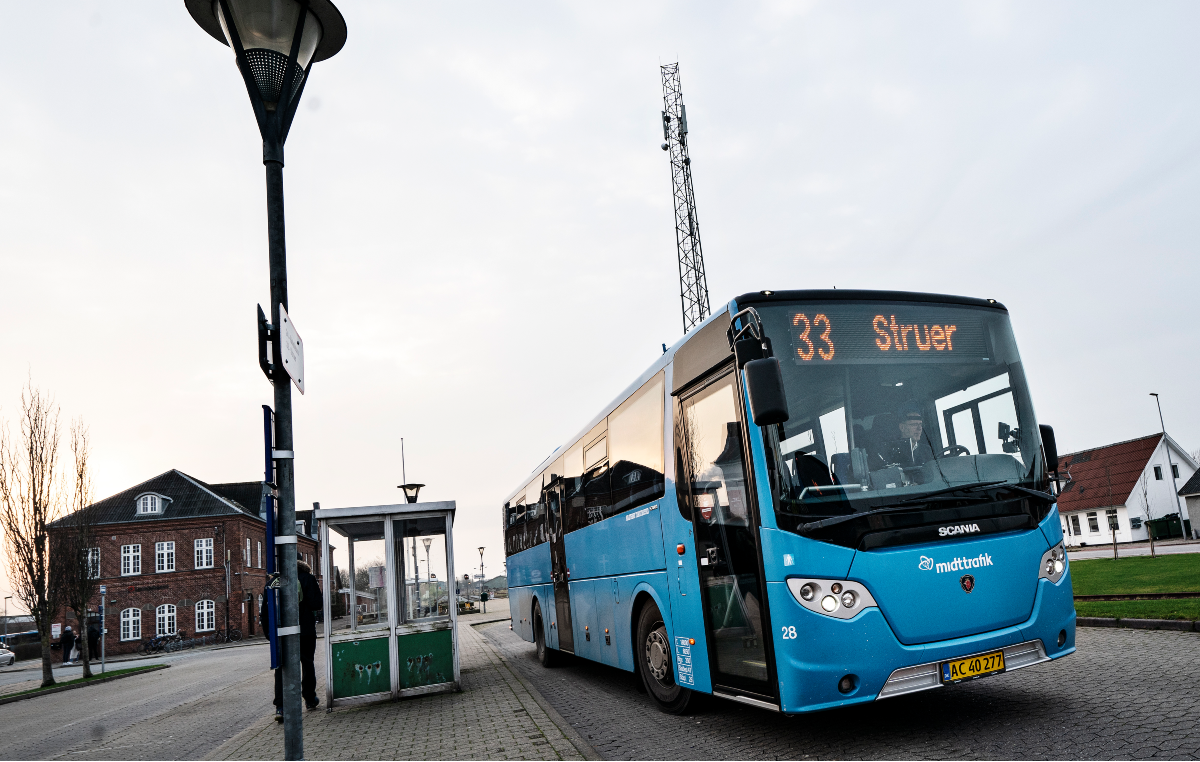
[(558, 566), (726, 538)]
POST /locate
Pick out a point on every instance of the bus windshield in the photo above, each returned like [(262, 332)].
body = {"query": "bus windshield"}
[(915, 411)]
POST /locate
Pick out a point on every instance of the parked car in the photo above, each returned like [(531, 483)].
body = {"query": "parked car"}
[(7, 658)]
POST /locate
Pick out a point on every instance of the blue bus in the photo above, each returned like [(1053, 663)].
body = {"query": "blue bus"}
[(815, 499)]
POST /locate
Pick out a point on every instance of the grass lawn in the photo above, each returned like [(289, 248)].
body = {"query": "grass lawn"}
[(95, 676), (1137, 574), (1184, 609)]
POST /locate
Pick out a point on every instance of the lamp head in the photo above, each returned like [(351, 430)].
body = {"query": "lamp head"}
[(274, 42), (427, 542), (410, 491)]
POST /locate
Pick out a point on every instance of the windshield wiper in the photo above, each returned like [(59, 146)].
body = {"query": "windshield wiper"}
[(907, 504), (961, 488)]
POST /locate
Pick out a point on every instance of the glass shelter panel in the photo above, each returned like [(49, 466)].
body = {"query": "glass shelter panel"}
[(420, 560), (361, 586)]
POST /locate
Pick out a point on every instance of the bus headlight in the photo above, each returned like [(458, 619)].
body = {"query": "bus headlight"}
[(849, 599), (1054, 564)]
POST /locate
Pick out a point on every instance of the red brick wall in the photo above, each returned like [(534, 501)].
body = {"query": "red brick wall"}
[(187, 584)]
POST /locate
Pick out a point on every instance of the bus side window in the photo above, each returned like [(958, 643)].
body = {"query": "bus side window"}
[(635, 435), (574, 515)]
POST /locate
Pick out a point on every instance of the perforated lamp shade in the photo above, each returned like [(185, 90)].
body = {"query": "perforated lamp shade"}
[(266, 29)]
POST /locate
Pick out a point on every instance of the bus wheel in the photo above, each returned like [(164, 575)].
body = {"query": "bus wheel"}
[(654, 657), (546, 655)]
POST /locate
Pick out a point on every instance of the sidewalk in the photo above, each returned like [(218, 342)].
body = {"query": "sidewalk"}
[(498, 715)]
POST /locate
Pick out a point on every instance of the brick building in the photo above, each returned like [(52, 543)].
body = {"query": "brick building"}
[(169, 548)]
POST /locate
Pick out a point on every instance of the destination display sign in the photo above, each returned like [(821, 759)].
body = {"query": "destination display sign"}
[(830, 334)]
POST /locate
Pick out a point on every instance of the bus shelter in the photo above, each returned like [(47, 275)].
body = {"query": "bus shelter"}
[(390, 615)]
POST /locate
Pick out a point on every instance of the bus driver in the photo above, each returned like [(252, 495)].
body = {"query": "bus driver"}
[(912, 449)]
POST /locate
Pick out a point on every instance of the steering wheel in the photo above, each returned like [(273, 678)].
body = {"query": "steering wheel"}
[(953, 451)]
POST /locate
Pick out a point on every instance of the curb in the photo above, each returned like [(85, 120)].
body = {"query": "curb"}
[(93, 681), (1139, 624)]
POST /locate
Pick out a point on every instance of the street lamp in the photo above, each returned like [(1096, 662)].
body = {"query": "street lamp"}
[(275, 43), (1167, 445), (482, 602), (6, 620), (427, 541)]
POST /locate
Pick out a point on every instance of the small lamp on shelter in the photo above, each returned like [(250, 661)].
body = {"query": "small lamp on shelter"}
[(410, 491)]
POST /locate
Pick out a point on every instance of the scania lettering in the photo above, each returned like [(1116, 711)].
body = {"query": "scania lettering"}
[(959, 529), (814, 499)]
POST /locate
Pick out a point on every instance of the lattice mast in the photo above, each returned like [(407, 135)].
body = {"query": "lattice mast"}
[(693, 286)]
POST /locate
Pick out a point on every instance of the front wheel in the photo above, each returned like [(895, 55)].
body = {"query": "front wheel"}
[(235, 634), (654, 656), (546, 655)]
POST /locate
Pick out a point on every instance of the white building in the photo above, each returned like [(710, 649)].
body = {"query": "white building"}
[(1133, 482)]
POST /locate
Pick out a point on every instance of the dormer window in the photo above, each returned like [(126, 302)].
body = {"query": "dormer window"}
[(149, 504)]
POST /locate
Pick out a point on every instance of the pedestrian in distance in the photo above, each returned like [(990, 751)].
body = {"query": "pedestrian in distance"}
[(68, 644), (93, 636), (311, 600)]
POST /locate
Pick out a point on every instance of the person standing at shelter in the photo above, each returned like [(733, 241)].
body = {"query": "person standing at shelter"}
[(68, 644), (311, 600)]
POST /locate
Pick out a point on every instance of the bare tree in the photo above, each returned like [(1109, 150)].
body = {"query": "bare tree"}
[(74, 552), (1144, 490), (31, 497)]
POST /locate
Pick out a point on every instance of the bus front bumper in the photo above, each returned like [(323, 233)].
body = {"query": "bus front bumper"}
[(812, 666)]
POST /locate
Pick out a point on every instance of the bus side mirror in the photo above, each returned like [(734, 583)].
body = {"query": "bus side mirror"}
[(1049, 447), (764, 383)]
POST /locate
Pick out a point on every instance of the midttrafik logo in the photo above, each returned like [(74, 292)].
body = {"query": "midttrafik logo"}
[(958, 564)]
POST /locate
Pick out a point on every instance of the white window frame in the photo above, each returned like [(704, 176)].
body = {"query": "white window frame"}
[(259, 545), (164, 556), (165, 622), (131, 560), (247, 551), (204, 553), (149, 505), (206, 616), (93, 563), (131, 624)]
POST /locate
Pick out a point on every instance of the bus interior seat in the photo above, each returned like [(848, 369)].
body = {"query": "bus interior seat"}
[(812, 472)]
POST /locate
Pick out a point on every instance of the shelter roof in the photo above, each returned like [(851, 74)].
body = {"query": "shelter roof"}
[(1105, 476)]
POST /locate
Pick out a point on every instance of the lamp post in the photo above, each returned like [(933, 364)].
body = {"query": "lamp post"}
[(427, 541), (482, 602), (275, 43), (1167, 445), (6, 620)]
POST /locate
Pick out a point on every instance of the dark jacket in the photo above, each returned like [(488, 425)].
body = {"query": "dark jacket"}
[(311, 600)]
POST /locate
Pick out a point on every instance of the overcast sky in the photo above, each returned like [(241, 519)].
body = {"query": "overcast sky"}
[(480, 235)]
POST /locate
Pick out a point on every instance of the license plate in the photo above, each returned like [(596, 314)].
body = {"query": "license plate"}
[(972, 667)]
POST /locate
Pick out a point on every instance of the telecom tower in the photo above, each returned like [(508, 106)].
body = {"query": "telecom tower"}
[(693, 286)]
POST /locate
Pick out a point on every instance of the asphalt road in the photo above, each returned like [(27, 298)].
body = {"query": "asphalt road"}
[(184, 712), (1124, 694)]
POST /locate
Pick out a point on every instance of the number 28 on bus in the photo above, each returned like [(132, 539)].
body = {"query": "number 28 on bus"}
[(817, 498)]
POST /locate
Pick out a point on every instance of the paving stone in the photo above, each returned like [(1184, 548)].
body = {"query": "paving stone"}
[(1125, 694), (496, 716)]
